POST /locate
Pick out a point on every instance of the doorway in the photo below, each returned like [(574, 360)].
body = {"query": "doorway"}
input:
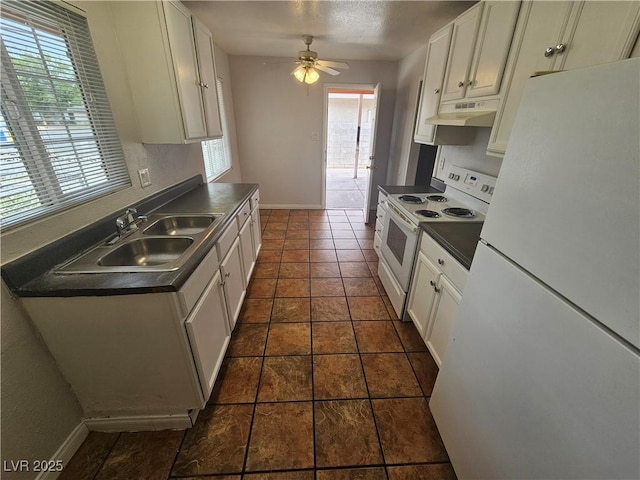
[(350, 140)]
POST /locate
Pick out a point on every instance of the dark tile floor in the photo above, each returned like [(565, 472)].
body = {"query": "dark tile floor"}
[(320, 382)]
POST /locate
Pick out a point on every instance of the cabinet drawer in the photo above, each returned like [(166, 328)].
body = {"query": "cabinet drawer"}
[(377, 243), (195, 285), (243, 215), (227, 238), (379, 227), (255, 199), (450, 267), (382, 200)]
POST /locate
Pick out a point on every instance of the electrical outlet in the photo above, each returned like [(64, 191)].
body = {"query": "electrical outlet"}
[(145, 178), (315, 137)]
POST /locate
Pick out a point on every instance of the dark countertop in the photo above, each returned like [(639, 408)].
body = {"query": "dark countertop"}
[(203, 198), (458, 238), (397, 189)]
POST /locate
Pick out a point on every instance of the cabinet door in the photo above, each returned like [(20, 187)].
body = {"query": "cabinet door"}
[(444, 314), (185, 63), (204, 50), (256, 231), (425, 278), (602, 32), (540, 25), (246, 248), (437, 53), (208, 331), (465, 30), (492, 47), (232, 276)]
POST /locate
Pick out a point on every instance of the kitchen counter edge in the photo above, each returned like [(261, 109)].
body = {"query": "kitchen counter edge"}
[(224, 198)]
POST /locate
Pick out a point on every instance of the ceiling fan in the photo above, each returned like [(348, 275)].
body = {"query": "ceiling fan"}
[(308, 64)]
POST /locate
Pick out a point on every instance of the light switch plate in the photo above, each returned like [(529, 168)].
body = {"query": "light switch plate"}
[(145, 178), (315, 137)]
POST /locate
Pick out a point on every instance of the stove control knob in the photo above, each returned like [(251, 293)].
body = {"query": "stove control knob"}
[(456, 177), (485, 188), (491, 191), (451, 175)]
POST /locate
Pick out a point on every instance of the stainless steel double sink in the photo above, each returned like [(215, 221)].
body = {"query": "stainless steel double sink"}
[(162, 244)]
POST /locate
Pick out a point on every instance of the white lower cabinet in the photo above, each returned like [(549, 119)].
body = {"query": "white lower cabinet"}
[(256, 232), (445, 306), (421, 297), (246, 249), (233, 281), (149, 361), (208, 330), (435, 293)]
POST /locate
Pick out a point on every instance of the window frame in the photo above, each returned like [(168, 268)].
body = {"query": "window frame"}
[(226, 145), (70, 27)]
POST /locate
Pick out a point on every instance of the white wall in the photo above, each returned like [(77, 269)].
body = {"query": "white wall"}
[(472, 156), (276, 115), (403, 157), (39, 410)]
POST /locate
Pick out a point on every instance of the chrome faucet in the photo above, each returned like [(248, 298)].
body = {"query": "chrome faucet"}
[(129, 221)]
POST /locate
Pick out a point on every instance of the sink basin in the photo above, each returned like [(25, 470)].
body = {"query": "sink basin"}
[(145, 252), (163, 246), (181, 225)]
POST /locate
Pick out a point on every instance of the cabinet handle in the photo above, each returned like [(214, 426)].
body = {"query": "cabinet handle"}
[(432, 283), (436, 289), (440, 261), (560, 48), (378, 230), (469, 83), (227, 275), (549, 51), (436, 91), (204, 85), (461, 84)]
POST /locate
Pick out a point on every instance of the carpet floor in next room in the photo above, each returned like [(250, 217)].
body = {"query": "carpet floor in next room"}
[(320, 381)]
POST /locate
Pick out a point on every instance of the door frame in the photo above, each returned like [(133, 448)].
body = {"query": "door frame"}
[(325, 125)]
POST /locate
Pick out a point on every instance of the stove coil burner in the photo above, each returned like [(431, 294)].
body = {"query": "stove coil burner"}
[(459, 212), (410, 199), (428, 213), (437, 198)]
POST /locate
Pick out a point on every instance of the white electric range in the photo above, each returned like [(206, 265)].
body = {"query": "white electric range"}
[(466, 199)]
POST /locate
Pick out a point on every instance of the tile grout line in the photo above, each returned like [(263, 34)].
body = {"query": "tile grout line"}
[(106, 457), (366, 383), (175, 457), (255, 404)]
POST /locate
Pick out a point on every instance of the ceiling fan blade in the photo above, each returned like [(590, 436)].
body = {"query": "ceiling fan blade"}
[(328, 70), (329, 63)]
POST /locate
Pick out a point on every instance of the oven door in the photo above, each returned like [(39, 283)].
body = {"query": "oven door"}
[(400, 238)]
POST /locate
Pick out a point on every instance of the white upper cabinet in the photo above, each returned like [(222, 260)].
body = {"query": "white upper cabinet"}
[(479, 49), (204, 50), (495, 32), (168, 57), (561, 36), (437, 52), (465, 29)]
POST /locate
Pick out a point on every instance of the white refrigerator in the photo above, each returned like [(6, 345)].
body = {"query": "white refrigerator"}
[(541, 378)]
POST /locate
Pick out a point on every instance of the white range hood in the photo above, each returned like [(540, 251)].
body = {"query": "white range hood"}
[(466, 114), (464, 119)]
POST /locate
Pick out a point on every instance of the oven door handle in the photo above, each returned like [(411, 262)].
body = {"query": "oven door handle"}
[(401, 218)]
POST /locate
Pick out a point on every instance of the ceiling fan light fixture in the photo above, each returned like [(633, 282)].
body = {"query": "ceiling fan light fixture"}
[(312, 76), (306, 74)]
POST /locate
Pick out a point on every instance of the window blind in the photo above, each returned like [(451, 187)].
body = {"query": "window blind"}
[(58, 142), (217, 152)]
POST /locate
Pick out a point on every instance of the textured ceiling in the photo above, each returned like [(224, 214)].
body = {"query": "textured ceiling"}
[(348, 30)]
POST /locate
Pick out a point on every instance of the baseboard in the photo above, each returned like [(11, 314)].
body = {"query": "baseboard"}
[(265, 206), (66, 450), (139, 423)]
